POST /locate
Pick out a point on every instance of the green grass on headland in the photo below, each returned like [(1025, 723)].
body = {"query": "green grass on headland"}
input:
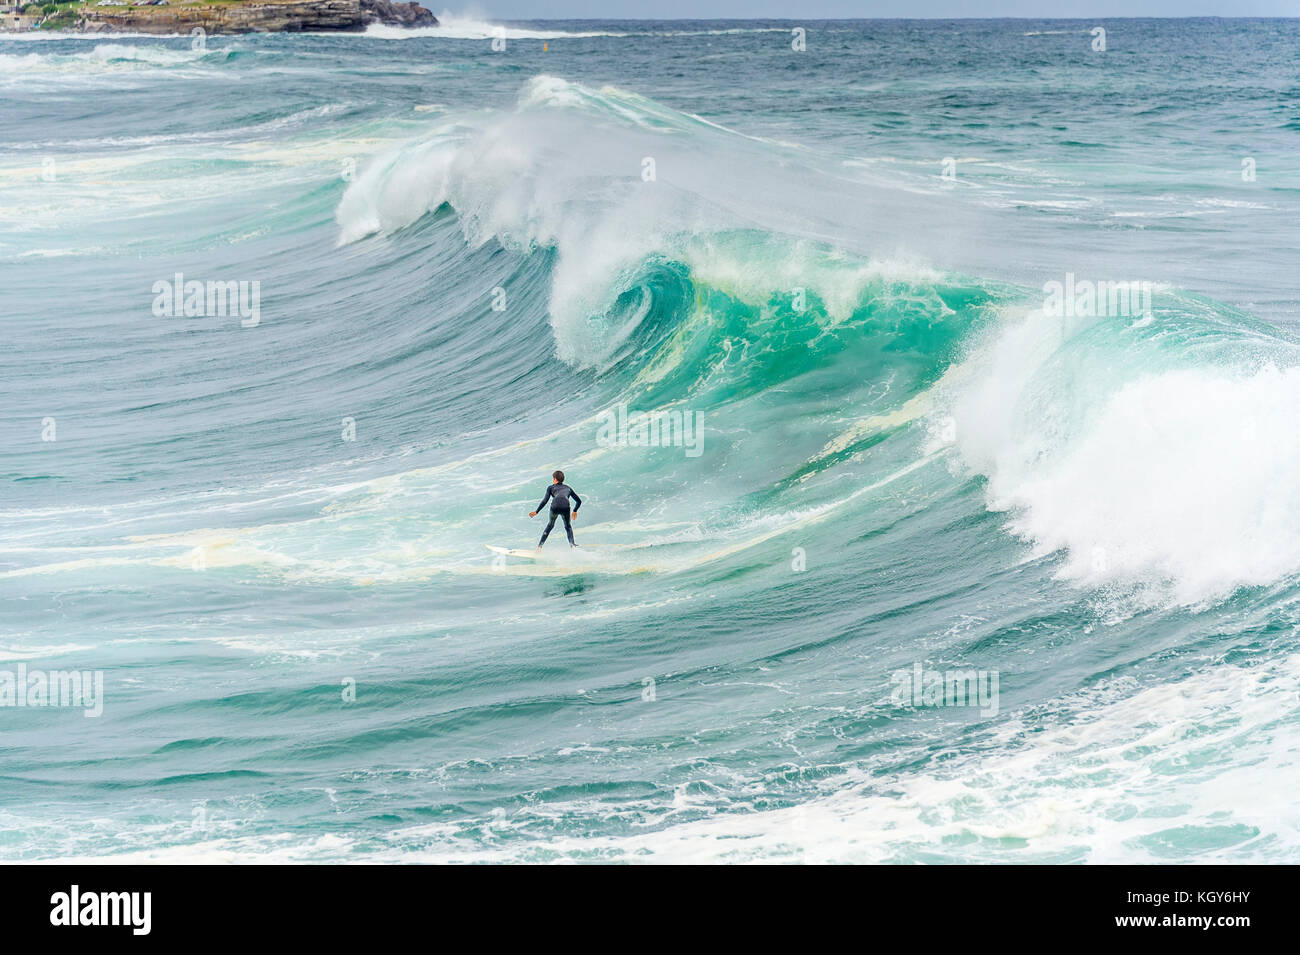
[(64, 14), (66, 6)]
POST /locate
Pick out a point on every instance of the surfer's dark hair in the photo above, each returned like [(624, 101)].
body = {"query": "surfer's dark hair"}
[(559, 476)]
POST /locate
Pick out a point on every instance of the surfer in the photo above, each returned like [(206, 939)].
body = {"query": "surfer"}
[(559, 494)]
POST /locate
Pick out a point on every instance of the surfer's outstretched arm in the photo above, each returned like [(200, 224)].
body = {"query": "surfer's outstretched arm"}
[(542, 505), (577, 501)]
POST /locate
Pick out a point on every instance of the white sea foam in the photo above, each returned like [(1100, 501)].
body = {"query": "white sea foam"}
[(474, 25), (103, 56), (460, 27), (1183, 482)]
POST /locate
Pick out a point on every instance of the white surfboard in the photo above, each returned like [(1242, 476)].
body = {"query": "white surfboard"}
[(509, 552)]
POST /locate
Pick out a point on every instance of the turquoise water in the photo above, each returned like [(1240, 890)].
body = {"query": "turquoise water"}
[(267, 530)]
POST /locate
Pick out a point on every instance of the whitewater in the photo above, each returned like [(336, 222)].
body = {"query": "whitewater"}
[(268, 538)]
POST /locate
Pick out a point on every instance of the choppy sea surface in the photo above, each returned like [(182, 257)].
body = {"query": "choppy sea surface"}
[(263, 526)]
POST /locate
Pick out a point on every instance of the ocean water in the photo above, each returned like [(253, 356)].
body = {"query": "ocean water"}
[(265, 529)]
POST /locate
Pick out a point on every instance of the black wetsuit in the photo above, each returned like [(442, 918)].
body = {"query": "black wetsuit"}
[(560, 495)]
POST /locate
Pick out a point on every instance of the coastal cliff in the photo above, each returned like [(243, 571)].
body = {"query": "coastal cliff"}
[(288, 16)]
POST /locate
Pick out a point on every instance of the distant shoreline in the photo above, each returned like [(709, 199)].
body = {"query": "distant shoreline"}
[(212, 16)]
